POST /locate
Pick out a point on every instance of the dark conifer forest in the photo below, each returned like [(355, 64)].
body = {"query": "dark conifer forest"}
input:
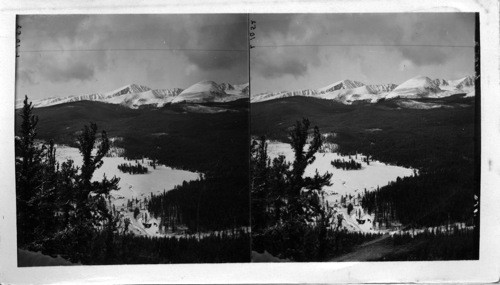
[(438, 143), (62, 211), (133, 169), (346, 165)]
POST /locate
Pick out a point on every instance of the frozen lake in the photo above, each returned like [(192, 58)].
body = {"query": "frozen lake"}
[(131, 185), (345, 181)]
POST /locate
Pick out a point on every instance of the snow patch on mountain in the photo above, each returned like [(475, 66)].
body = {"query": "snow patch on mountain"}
[(412, 104), (282, 94), (135, 95), (127, 89), (364, 93), (462, 83), (424, 87), (346, 91), (209, 91), (201, 92), (156, 98), (350, 91), (243, 88), (344, 84), (61, 100), (416, 87), (441, 82)]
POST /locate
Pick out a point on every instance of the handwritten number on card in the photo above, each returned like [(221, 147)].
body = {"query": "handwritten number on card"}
[(251, 34)]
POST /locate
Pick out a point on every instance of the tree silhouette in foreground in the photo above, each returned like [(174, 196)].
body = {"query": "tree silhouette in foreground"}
[(64, 210), (60, 208), (35, 189), (90, 208), (285, 201)]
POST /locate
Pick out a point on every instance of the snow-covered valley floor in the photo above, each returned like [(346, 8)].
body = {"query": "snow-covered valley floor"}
[(369, 177), (131, 185), (344, 182), (139, 186), (347, 182)]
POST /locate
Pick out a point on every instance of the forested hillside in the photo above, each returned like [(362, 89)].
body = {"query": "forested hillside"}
[(439, 143)]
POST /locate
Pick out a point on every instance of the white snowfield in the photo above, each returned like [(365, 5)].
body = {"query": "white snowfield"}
[(349, 91), (158, 98), (134, 95), (344, 84), (412, 104), (131, 185), (416, 87), (209, 91), (347, 182)]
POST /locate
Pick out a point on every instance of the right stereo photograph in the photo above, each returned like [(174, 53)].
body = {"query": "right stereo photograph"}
[(365, 137)]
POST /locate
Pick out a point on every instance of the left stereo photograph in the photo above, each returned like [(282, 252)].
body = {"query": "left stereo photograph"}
[(131, 139)]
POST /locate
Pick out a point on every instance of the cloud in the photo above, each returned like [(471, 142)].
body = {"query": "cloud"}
[(26, 76), (406, 65), (61, 66), (74, 71), (53, 44), (227, 35), (52, 29), (188, 33), (387, 33), (277, 33), (425, 56), (270, 68), (190, 69), (216, 60), (53, 70), (209, 41)]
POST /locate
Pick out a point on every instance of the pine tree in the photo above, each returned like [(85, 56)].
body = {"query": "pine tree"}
[(46, 197), (297, 201), (349, 209), (60, 209), (84, 201), (259, 173), (35, 183)]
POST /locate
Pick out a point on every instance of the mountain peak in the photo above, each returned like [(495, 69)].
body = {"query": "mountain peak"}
[(420, 76), (128, 89), (417, 81), (205, 82), (203, 86), (135, 95), (416, 87), (201, 92), (467, 81), (343, 84), (348, 91)]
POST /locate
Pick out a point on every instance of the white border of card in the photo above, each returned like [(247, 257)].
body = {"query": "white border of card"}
[(485, 270)]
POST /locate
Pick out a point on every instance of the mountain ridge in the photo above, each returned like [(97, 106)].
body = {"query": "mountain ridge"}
[(136, 95), (350, 91)]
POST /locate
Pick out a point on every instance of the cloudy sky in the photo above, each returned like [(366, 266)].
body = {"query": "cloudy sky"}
[(296, 50), (82, 54)]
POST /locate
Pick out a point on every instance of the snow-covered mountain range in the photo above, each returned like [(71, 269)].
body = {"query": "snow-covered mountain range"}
[(350, 91), (134, 95)]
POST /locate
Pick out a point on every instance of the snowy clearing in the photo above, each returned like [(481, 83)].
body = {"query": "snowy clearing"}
[(345, 181), (131, 185)]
